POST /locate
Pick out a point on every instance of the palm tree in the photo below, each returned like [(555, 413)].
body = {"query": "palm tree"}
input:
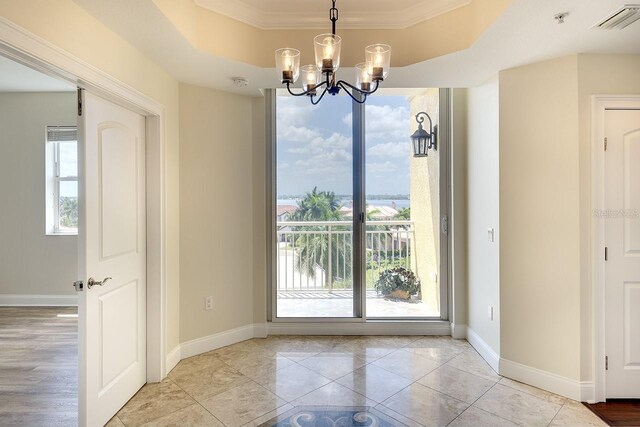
[(313, 246), (317, 206), (403, 214)]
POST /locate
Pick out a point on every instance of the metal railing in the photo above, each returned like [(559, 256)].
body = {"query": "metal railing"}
[(317, 255)]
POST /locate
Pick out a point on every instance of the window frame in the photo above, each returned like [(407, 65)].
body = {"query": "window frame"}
[(53, 183)]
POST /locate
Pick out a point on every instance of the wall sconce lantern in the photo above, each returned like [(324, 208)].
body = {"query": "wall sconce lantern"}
[(421, 139)]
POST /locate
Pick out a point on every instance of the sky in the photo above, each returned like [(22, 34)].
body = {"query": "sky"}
[(68, 167), (314, 145)]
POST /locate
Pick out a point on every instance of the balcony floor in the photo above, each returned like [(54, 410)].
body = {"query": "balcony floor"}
[(301, 303)]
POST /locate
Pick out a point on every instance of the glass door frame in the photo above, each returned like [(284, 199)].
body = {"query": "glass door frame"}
[(359, 217)]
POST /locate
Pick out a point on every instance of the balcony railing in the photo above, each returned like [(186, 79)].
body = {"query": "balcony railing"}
[(317, 255)]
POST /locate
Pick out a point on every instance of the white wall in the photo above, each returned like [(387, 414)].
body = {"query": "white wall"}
[(31, 263), (483, 257)]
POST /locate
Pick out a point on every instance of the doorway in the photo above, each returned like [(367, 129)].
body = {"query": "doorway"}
[(354, 212), (27, 49), (616, 143), (38, 254), (622, 267)]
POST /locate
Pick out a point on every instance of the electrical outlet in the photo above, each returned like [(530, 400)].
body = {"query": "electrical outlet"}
[(208, 303), (490, 313)]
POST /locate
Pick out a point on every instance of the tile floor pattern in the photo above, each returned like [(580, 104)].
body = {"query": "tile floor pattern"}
[(417, 381)]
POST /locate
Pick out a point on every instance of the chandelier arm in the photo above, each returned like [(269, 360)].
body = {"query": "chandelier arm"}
[(364, 92), (346, 89), (320, 98), (307, 92)]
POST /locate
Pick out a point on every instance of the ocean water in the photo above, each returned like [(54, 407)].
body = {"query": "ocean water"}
[(400, 204)]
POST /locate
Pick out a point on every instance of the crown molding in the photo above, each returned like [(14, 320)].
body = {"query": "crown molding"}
[(299, 20)]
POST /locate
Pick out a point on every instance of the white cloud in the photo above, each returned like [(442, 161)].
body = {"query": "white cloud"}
[(393, 150), (387, 123), (348, 119), (381, 168), (297, 133)]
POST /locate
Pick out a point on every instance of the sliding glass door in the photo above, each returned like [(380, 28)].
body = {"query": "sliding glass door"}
[(357, 227), (314, 222)]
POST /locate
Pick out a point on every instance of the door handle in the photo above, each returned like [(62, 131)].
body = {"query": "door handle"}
[(91, 282)]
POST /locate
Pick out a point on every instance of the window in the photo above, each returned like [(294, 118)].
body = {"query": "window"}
[(62, 180)]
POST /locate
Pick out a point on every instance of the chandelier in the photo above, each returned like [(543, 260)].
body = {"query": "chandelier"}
[(322, 74)]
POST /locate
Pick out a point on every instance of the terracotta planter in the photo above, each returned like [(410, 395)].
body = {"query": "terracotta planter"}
[(399, 294)]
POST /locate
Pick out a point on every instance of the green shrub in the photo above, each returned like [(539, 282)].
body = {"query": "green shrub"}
[(398, 278)]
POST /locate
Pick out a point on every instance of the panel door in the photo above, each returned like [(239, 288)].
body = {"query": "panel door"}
[(622, 270), (112, 249)]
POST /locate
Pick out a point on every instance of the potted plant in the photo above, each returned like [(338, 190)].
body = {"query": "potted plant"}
[(398, 283)]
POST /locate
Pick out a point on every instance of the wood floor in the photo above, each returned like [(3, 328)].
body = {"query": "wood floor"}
[(618, 412), (38, 366)]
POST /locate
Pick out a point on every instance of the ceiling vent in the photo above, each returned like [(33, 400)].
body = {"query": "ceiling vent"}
[(621, 18)]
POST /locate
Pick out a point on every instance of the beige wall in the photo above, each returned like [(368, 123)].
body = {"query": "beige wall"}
[(483, 259), (539, 216), (216, 211), (597, 75), (31, 263), (545, 207), (425, 202), (94, 43)]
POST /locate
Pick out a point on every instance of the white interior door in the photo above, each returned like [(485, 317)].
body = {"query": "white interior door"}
[(622, 269), (112, 244)]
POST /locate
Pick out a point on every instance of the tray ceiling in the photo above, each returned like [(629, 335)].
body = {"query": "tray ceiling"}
[(314, 14)]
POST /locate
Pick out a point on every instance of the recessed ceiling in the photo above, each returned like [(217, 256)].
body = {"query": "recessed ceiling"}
[(314, 14), (18, 78), (525, 33)]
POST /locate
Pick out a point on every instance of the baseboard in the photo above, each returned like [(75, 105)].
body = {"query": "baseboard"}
[(215, 341), (487, 353), (173, 358), (360, 328), (260, 330), (588, 391), (39, 300), (546, 380), (458, 332)]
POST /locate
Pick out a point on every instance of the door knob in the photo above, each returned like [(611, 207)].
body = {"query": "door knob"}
[(91, 282)]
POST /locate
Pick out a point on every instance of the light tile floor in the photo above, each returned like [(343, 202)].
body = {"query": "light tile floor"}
[(418, 381)]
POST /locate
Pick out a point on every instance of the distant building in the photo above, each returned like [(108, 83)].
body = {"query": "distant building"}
[(283, 213), (380, 213)]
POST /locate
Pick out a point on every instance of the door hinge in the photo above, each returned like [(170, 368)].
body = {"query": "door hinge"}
[(445, 225), (606, 253), (606, 142), (79, 102), (606, 363)]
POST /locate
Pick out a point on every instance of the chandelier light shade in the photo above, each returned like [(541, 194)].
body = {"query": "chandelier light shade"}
[(378, 58), (322, 74), (288, 64), (363, 78), (310, 77), (327, 49), (421, 140)]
